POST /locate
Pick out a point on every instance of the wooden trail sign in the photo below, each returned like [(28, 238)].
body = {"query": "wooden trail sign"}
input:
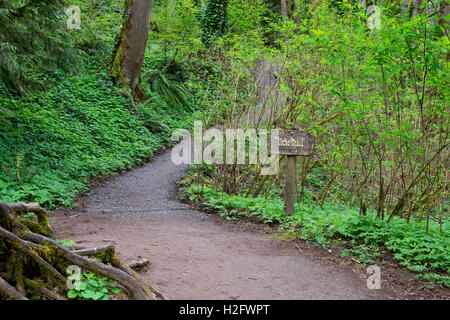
[(293, 143)]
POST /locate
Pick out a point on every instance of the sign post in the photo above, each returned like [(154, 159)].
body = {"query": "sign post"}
[(293, 143)]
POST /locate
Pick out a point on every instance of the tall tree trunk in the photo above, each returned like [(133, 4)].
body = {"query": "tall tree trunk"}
[(130, 47), (413, 5), (214, 19), (295, 12), (284, 9)]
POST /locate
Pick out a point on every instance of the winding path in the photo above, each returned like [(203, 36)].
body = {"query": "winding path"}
[(196, 255)]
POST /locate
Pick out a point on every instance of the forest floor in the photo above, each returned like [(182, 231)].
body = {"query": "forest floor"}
[(195, 255)]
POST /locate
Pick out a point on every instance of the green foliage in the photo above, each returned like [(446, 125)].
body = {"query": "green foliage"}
[(425, 253), (172, 92), (435, 278), (411, 245), (52, 143), (170, 103), (214, 20), (174, 42), (33, 38), (375, 100), (78, 129), (92, 287), (100, 22), (65, 242), (175, 25), (384, 92), (365, 252)]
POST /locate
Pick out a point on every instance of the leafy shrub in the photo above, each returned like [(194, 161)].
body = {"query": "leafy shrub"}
[(80, 128), (92, 287), (33, 38), (425, 253)]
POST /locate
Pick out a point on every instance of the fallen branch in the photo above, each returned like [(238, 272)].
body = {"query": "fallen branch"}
[(19, 208), (76, 247), (9, 291), (52, 295), (139, 264), (94, 251)]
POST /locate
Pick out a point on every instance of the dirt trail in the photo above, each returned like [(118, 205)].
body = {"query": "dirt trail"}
[(196, 255)]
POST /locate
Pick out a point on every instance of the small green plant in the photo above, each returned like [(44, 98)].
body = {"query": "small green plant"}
[(29, 215), (434, 278), (426, 253), (19, 169), (365, 253), (65, 242), (92, 287), (172, 92)]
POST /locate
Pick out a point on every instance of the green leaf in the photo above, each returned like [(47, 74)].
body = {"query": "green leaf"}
[(80, 285), (93, 283), (115, 290), (72, 294), (99, 295), (88, 294)]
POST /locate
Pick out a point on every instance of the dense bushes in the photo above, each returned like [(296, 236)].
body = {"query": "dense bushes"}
[(428, 254), (375, 100), (54, 141), (33, 39)]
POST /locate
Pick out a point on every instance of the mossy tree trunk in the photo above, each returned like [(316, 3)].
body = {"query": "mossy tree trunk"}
[(130, 46), (214, 19)]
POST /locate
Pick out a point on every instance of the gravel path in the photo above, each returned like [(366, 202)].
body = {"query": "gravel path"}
[(196, 255)]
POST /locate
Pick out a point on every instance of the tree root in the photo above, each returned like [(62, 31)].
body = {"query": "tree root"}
[(94, 251), (137, 290), (33, 255), (138, 265), (9, 291), (52, 295), (26, 247)]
